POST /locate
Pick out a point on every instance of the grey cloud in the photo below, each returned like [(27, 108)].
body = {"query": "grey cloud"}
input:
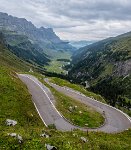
[(75, 19), (87, 9)]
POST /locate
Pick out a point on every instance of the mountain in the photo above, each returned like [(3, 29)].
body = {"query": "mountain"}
[(9, 60), (22, 47), (79, 44), (114, 51), (45, 37), (106, 65)]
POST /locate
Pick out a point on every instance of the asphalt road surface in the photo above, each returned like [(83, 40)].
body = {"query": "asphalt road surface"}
[(115, 120)]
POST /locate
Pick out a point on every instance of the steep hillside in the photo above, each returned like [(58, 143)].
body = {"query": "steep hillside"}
[(24, 49), (21, 46), (106, 65), (45, 37), (8, 59)]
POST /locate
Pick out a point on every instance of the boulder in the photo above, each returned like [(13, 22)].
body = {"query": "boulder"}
[(70, 108), (76, 107), (49, 147), (84, 139), (44, 135), (80, 112), (20, 139), (10, 122)]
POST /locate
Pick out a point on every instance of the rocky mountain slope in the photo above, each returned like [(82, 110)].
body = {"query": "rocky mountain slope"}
[(106, 65), (45, 37)]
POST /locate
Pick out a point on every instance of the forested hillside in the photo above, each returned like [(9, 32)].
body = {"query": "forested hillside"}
[(106, 65)]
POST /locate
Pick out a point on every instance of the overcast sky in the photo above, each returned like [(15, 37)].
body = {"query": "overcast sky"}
[(74, 19)]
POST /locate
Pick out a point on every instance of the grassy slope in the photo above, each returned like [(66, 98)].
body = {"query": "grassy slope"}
[(15, 103), (99, 60), (81, 116), (111, 49), (10, 60), (79, 88), (30, 127), (88, 116), (22, 47)]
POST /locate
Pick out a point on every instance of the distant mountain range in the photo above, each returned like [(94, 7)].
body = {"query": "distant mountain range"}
[(79, 44)]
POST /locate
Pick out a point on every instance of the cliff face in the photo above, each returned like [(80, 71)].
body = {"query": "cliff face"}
[(25, 27), (123, 68), (45, 37)]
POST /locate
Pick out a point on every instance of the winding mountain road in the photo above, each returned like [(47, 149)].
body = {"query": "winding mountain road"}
[(115, 120)]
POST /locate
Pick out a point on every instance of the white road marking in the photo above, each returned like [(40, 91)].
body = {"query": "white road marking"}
[(40, 115), (45, 93), (96, 101)]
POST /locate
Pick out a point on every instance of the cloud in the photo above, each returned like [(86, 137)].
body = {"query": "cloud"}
[(75, 19)]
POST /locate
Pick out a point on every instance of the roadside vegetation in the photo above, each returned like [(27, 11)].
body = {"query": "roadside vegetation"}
[(76, 87), (16, 104), (119, 92), (77, 113)]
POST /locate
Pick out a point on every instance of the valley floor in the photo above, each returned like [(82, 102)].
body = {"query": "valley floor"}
[(57, 66)]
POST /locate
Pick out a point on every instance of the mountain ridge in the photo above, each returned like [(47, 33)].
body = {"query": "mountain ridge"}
[(23, 48), (21, 25), (81, 43), (8, 59), (45, 37)]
